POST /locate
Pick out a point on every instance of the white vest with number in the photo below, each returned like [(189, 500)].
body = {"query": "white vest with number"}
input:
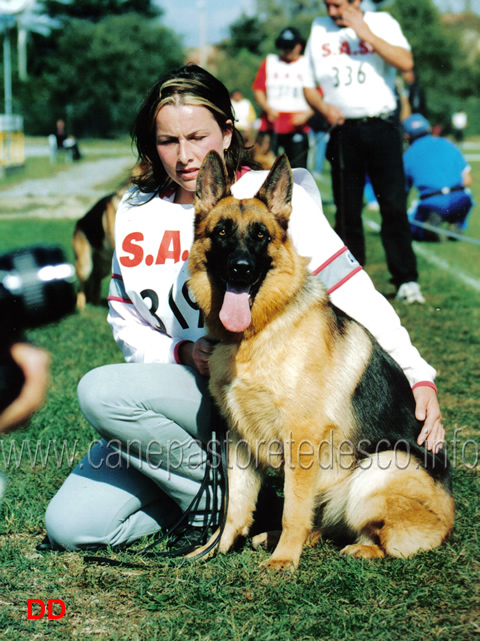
[(352, 75)]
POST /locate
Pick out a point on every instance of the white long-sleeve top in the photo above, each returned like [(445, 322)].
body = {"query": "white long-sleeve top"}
[(151, 310)]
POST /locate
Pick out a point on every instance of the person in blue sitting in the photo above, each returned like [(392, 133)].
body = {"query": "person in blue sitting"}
[(438, 170)]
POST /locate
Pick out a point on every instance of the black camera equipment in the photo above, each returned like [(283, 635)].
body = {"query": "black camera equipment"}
[(36, 288)]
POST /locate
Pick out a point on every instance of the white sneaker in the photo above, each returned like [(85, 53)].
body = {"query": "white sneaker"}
[(410, 293)]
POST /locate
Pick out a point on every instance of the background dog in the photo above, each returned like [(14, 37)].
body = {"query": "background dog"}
[(94, 244), (305, 388), (262, 149)]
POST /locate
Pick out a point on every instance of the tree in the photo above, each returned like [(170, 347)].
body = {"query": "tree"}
[(441, 68), (99, 74), (238, 72), (95, 10), (245, 33)]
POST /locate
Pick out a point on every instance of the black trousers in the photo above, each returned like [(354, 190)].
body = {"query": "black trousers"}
[(372, 145), (295, 147)]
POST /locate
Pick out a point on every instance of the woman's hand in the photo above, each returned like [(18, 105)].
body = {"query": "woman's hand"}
[(428, 410), (34, 363), (197, 354)]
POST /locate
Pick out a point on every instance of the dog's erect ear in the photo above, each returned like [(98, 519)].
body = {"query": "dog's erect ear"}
[(211, 183), (276, 191)]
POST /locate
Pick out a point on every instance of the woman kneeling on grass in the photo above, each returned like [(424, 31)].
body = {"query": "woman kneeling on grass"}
[(154, 412)]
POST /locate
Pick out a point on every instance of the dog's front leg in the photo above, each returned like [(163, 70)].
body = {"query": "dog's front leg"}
[(244, 481), (298, 511)]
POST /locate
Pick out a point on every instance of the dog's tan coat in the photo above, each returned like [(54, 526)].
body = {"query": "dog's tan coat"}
[(287, 382)]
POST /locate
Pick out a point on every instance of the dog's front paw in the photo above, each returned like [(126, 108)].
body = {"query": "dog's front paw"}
[(201, 551), (279, 565)]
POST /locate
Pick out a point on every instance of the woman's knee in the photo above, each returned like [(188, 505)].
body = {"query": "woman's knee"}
[(66, 527), (97, 392), (85, 510), (106, 502)]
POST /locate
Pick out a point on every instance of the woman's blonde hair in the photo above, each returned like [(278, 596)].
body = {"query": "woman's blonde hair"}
[(189, 85)]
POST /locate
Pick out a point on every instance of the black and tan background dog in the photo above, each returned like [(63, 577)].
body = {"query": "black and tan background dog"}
[(306, 389), (94, 243)]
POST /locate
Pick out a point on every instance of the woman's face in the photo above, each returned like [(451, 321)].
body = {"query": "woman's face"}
[(184, 136)]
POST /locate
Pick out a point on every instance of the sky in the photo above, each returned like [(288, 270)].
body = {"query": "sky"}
[(184, 16)]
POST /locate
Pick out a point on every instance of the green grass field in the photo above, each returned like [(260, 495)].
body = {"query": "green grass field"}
[(433, 596)]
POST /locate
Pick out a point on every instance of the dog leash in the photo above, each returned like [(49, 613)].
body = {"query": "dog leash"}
[(214, 479)]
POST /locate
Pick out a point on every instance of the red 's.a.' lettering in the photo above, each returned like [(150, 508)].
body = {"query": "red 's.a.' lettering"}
[(164, 252), (326, 50), (365, 47), (129, 245), (170, 248)]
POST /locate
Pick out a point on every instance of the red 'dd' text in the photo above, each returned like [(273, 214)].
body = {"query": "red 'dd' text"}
[(46, 608)]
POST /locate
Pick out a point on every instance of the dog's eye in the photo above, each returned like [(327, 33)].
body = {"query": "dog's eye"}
[(258, 231), (222, 231)]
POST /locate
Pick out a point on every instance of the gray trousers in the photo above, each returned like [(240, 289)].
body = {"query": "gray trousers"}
[(157, 417)]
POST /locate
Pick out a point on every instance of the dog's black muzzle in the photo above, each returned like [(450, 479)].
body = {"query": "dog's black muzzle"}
[(241, 268)]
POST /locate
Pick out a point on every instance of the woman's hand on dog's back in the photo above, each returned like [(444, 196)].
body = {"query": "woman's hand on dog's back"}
[(197, 354)]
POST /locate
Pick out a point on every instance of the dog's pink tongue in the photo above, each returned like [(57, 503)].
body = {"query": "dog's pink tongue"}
[(235, 313)]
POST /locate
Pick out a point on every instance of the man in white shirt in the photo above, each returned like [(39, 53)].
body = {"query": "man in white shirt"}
[(353, 56)]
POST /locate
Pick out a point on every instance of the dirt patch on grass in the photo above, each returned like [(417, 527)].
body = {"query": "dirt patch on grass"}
[(67, 194)]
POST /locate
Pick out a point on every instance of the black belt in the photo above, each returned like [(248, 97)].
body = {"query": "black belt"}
[(443, 191), (387, 117)]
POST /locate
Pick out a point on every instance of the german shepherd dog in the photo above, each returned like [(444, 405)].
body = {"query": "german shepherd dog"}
[(93, 244), (262, 150), (306, 389)]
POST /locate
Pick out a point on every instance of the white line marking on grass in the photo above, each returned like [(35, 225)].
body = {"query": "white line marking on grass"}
[(442, 264), (445, 266)]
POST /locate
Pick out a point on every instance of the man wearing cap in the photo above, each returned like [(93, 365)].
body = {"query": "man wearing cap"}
[(353, 56), (278, 89), (441, 175)]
